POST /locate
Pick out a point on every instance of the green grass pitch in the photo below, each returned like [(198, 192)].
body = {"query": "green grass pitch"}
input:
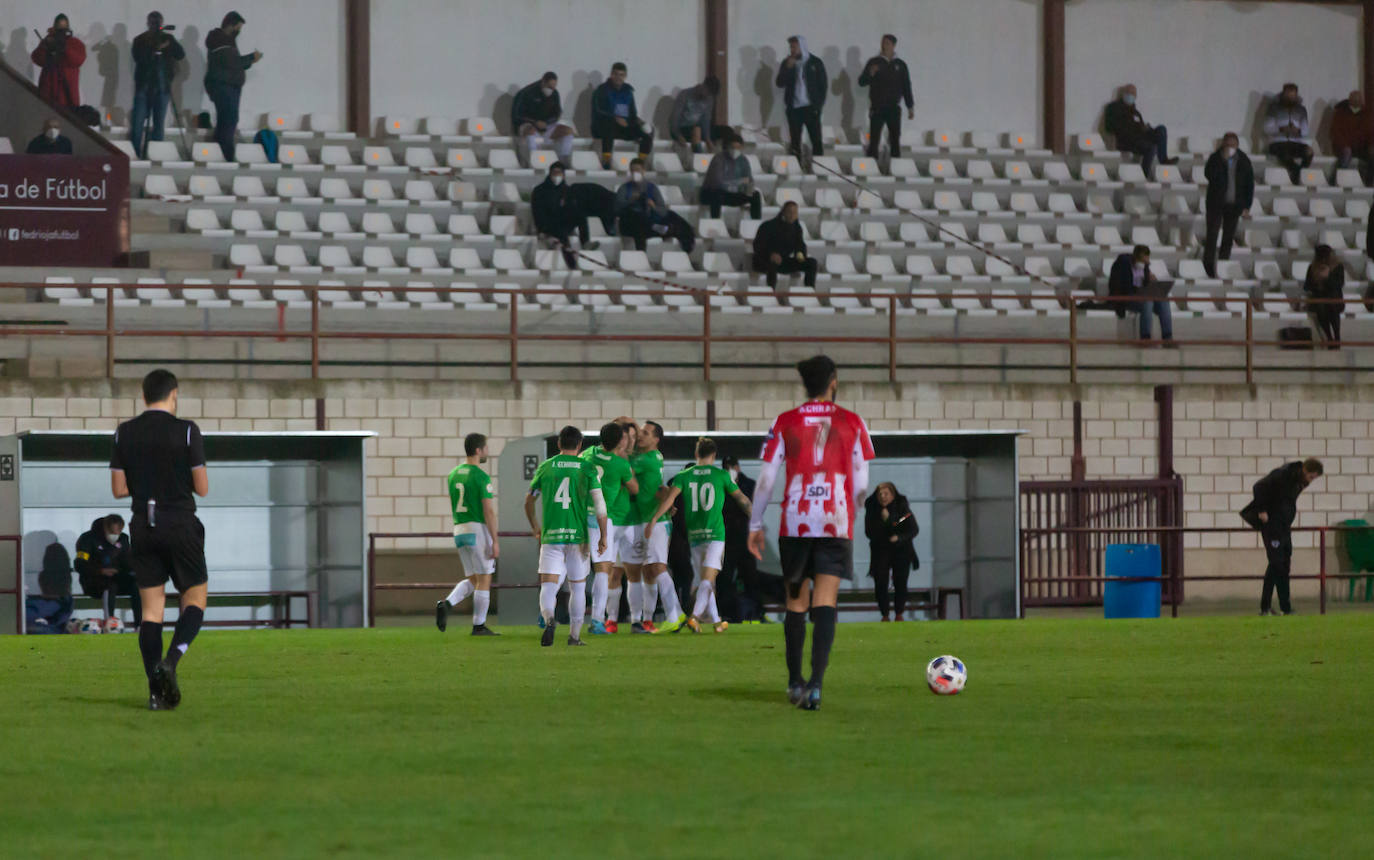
[(1202, 737)]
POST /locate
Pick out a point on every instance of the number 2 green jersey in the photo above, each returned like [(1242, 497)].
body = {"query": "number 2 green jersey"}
[(704, 489), (564, 484), (612, 471), (467, 487)]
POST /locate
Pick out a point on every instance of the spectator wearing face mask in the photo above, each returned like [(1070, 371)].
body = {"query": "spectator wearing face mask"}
[(642, 213), (1125, 123), (556, 214), (730, 181), (534, 118), (1326, 280), (780, 247), (1286, 125), (1352, 134), (1131, 276), (1230, 193), (102, 565), (51, 141)]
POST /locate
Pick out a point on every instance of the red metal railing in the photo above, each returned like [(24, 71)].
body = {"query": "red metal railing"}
[(1066, 579), (18, 589), (887, 303)]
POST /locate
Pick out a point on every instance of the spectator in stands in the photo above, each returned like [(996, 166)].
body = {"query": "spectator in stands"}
[(1125, 123), (1326, 280), (779, 247), (556, 214), (102, 565), (615, 117), (60, 55), (156, 54), (1272, 512), (225, 74), (642, 212), (890, 527), (1131, 276), (1286, 125), (51, 142), (889, 83), (1230, 193), (803, 81), (534, 118), (730, 181), (694, 112), (1352, 134)]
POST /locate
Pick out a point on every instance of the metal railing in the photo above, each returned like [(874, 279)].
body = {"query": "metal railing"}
[(888, 339), (1172, 580)]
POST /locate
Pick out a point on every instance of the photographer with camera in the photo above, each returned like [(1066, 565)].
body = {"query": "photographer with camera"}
[(156, 53), (225, 76), (60, 54)]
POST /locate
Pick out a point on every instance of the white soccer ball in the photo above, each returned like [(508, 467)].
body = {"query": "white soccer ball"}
[(91, 625), (114, 625), (946, 675)]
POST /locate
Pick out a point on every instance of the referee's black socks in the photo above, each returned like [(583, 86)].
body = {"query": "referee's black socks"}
[(823, 618), (794, 631), (188, 625), (150, 646)]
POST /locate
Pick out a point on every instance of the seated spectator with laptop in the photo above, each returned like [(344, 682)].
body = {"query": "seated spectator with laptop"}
[(1131, 276)]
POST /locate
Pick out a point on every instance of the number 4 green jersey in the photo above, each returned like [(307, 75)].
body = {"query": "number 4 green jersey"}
[(467, 487), (612, 472), (704, 489), (564, 485)]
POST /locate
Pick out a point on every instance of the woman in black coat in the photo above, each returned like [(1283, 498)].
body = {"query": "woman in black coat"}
[(891, 528)]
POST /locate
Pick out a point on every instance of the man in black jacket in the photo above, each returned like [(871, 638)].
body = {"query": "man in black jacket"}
[(1230, 193), (534, 118), (1131, 276), (556, 213), (102, 565), (803, 81), (739, 567), (615, 116), (891, 528), (779, 247), (1133, 134), (1272, 513), (156, 53), (51, 142), (889, 83), (225, 74)]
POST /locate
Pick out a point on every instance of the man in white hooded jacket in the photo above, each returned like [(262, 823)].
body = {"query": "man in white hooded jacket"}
[(803, 81)]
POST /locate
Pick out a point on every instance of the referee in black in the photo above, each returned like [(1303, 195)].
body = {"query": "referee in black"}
[(159, 460)]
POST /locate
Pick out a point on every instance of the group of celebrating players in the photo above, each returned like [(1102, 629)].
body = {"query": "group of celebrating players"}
[(604, 511)]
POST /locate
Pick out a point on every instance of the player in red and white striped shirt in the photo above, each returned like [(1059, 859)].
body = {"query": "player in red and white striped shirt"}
[(826, 450)]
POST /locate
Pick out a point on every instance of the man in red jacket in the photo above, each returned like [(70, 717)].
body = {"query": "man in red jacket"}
[(1352, 133), (60, 55)]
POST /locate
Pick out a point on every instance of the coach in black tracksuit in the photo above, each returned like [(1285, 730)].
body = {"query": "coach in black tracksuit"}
[(1272, 513), (102, 565), (889, 84)]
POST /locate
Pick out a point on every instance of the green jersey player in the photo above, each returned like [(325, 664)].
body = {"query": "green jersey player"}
[(474, 533), (569, 490), (649, 558), (704, 488), (618, 486)]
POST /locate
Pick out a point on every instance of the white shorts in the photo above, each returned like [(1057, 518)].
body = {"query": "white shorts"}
[(613, 538), (563, 560), (710, 554), (474, 548), (545, 137), (652, 551)]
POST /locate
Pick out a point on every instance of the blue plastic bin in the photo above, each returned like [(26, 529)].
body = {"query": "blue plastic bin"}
[(1125, 599)]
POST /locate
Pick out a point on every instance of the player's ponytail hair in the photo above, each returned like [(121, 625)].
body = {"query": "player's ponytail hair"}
[(705, 447)]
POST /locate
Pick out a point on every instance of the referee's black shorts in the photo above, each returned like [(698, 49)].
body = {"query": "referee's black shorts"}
[(806, 558), (174, 549)]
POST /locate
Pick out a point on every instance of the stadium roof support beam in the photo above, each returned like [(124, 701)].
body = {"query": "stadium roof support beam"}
[(1052, 27), (358, 49)]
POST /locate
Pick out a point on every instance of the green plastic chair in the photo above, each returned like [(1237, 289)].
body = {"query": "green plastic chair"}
[(1359, 545)]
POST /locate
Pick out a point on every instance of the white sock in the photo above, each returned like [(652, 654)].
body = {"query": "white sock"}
[(636, 602), (650, 597), (667, 591), (715, 613), (600, 582), (577, 606), (703, 600), (613, 603), (481, 602), (460, 592), (548, 598)]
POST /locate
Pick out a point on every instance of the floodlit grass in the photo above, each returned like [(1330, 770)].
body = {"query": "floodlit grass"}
[(1210, 738)]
